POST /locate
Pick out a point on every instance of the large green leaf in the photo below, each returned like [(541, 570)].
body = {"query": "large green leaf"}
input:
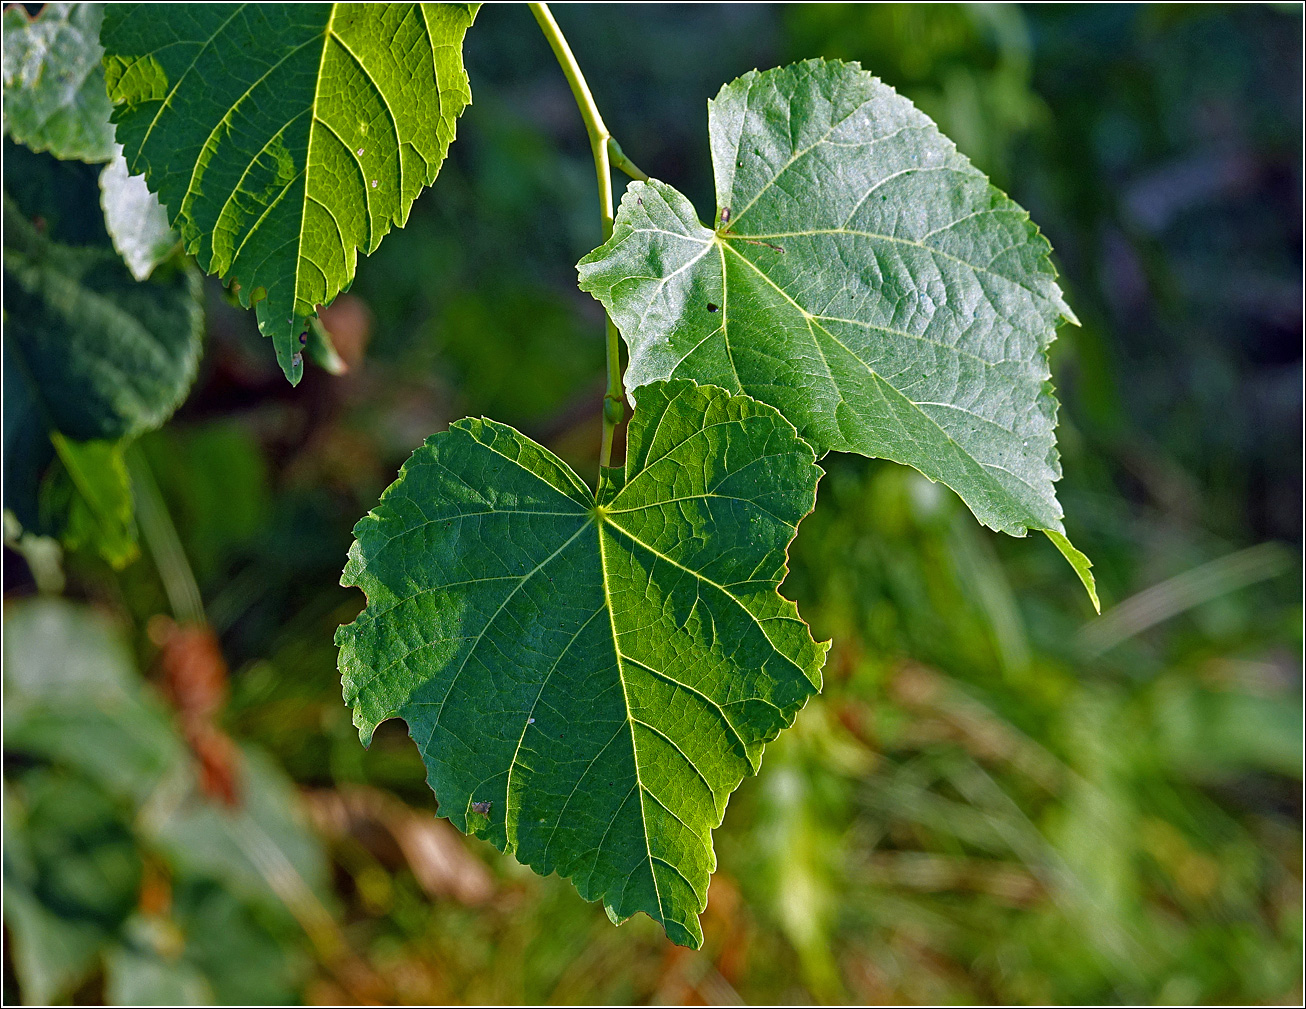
[(589, 682), (863, 277), (283, 138), (54, 97)]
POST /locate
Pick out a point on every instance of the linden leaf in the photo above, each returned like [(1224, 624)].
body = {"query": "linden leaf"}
[(863, 278), (283, 138), (588, 682)]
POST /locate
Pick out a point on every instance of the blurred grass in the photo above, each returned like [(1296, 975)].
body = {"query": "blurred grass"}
[(997, 798)]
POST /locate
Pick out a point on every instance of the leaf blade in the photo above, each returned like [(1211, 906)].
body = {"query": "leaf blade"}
[(847, 284), (54, 98), (286, 138), (597, 683)]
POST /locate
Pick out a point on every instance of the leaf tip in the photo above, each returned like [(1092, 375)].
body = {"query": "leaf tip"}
[(1080, 562)]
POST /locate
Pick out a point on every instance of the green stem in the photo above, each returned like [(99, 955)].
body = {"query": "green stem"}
[(623, 163), (606, 152)]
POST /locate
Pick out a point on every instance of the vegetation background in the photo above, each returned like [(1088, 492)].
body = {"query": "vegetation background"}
[(997, 798)]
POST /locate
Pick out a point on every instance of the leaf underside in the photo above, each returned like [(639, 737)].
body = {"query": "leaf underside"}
[(589, 682), (864, 278), (135, 220), (283, 138)]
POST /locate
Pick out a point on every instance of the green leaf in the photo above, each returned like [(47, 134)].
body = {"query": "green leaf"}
[(589, 682), (285, 137), (50, 953), (92, 358), (90, 499), (1078, 561), (55, 100), (142, 975), (71, 877), (54, 97), (74, 697), (103, 356), (864, 278)]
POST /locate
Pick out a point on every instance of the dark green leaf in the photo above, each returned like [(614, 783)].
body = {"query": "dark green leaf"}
[(89, 353), (283, 138), (589, 682), (71, 877), (863, 277), (91, 356), (103, 356)]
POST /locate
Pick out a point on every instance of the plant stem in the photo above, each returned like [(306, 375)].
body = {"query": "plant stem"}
[(606, 152)]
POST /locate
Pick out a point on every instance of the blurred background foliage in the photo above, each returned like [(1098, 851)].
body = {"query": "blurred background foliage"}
[(997, 798)]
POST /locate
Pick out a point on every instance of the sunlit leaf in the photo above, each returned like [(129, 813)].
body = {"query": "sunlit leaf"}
[(862, 277), (54, 97), (589, 682), (283, 138)]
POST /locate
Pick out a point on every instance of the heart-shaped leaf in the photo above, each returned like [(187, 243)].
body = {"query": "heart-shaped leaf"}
[(588, 682), (863, 277), (283, 138)]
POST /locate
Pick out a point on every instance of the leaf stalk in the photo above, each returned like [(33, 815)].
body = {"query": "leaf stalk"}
[(607, 154)]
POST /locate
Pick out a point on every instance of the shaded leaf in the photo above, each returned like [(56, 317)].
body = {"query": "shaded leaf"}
[(90, 354), (283, 138), (74, 697), (54, 96), (589, 682), (863, 278), (55, 100), (103, 356), (27, 448)]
